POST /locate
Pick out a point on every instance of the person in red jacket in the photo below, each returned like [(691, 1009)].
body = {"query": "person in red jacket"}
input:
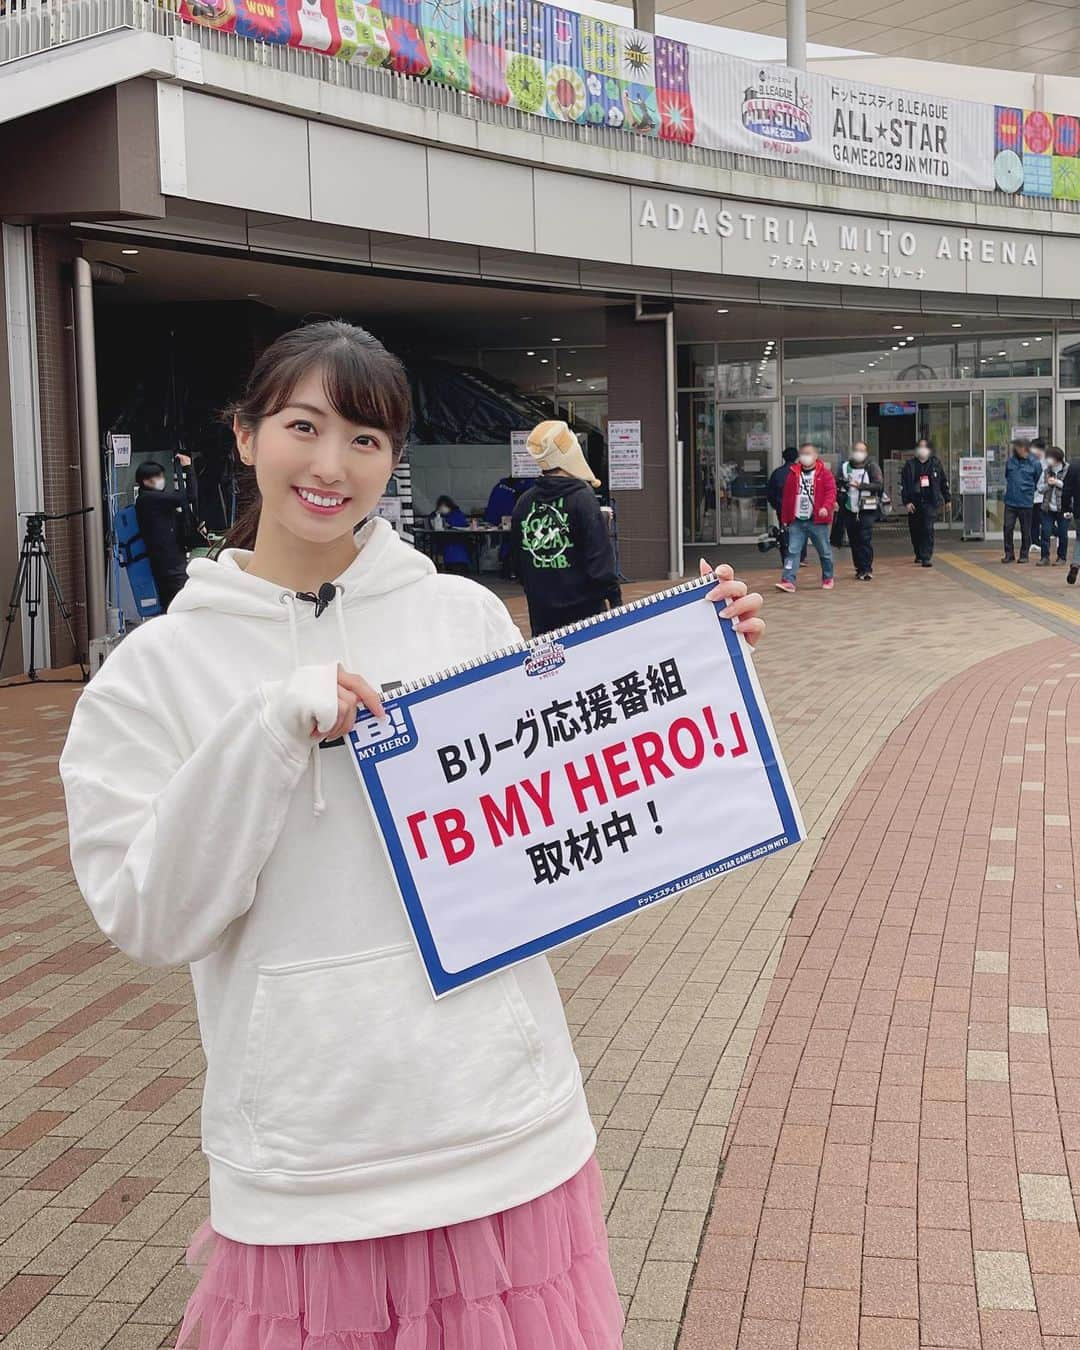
[(806, 512)]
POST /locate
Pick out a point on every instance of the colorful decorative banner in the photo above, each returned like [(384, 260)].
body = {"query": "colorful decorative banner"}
[(555, 63), (1037, 154)]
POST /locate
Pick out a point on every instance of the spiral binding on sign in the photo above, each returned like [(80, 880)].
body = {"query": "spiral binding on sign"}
[(546, 639)]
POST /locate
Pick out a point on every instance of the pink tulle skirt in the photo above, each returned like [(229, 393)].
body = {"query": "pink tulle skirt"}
[(536, 1277)]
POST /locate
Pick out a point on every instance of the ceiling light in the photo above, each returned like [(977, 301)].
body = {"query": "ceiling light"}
[(873, 363), (579, 379), (129, 252), (863, 371), (723, 311), (898, 327), (556, 339), (543, 361), (1038, 339), (1002, 353), (958, 325), (1025, 344), (910, 338), (896, 349), (530, 353), (254, 295)]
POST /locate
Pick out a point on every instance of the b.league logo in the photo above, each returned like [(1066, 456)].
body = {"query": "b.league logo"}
[(777, 109)]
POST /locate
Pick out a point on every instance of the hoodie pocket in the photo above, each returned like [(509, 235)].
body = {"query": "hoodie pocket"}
[(351, 1062)]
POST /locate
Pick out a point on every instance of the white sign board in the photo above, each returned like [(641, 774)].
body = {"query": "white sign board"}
[(624, 456), (121, 448), (759, 440), (391, 509), (972, 476), (1025, 433), (556, 787), (522, 464)]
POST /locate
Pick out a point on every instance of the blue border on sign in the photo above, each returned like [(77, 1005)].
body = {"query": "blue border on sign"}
[(444, 981)]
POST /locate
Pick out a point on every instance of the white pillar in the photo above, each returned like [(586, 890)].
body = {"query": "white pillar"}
[(90, 438), (796, 34)]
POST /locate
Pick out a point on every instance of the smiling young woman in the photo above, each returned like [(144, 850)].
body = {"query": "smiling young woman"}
[(386, 1171)]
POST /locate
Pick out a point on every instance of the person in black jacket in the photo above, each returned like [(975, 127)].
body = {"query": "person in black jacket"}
[(924, 489), (859, 488), (1070, 505), (774, 494), (561, 547), (164, 516)]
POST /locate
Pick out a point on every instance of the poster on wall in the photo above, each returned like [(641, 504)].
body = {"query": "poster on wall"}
[(120, 444), (624, 456), (522, 464)]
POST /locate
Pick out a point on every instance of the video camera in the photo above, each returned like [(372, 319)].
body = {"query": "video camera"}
[(770, 539)]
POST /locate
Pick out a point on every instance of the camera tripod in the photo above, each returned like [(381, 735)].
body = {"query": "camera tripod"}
[(35, 568)]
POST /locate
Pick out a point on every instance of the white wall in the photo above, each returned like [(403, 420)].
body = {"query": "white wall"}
[(465, 472)]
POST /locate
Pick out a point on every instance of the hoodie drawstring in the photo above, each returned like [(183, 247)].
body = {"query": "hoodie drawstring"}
[(318, 801)]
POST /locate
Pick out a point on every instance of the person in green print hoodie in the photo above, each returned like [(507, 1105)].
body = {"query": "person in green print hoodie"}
[(560, 543)]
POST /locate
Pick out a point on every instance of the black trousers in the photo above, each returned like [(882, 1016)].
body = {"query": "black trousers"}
[(169, 584), (542, 618), (860, 534), (920, 523), (1036, 524), (1013, 514)]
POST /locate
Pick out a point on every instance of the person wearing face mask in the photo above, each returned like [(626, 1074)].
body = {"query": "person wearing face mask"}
[(1038, 454), (924, 489), (1053, 523), (160, 511), (1070, 506), (807, 506), (1022, 474), (859, 491)]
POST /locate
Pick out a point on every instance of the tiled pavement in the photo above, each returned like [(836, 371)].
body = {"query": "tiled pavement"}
[(101, 1181)]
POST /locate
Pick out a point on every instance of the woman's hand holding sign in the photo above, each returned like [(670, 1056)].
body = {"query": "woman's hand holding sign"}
[(743, 606), (352, 691)]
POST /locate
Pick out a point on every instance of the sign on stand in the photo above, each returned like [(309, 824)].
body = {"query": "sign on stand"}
[(973, 492), (624, 456), (543, 791)]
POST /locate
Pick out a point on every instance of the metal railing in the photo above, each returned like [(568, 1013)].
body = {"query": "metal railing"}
[(28, 27)]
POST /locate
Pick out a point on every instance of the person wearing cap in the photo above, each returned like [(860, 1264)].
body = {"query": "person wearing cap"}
[(560, 543)]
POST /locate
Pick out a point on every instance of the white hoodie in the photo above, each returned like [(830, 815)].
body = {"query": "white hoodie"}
[(341, 1100)]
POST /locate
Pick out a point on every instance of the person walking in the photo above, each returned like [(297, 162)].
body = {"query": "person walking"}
[(859, 490), (774, 494), (1070, 506), (1054, 523), (165, 517), (561, 546), (1022, 474), (1038, 454), (806, 510), (385, 1169), (924, 490)]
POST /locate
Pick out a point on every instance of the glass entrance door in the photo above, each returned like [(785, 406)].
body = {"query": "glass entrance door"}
[(745, 457), (1071, 427)]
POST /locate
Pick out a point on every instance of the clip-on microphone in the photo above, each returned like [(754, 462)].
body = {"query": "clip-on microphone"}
[(326, 596)]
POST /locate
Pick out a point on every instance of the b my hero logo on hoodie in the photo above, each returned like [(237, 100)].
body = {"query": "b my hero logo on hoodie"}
[(545, 535)]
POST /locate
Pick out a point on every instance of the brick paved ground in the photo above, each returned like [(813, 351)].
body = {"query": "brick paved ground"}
[(101, 1181)]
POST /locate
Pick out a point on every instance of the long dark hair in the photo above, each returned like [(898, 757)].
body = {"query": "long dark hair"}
[(366, 385)]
